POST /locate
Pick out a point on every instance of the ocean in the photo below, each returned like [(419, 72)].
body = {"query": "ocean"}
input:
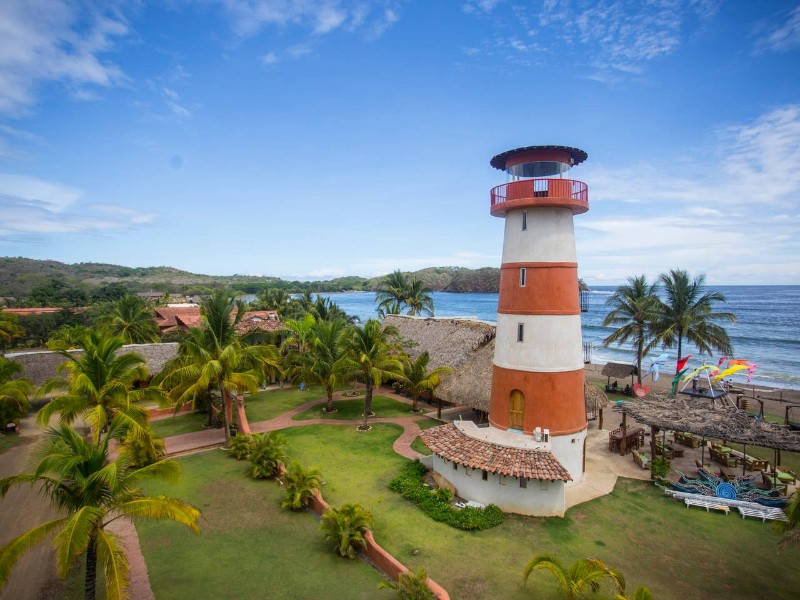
[(767, 329)]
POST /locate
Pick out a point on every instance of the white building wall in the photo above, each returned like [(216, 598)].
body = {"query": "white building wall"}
[(568, 449), (540, 498), (550, 236), (551, 343)]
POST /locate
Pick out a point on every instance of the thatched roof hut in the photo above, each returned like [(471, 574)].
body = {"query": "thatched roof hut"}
[(701, 418), (619, 370), (464, 345)]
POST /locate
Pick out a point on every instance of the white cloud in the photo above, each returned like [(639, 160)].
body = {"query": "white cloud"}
[(30, 206), (45, 41), (249, 17), (725, 216), (620, 36), (781, 35)]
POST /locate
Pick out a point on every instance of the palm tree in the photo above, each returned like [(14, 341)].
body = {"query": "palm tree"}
[(327, 310), (66, 337), (345, 527), (418, 298), (101, 384), (633, 310), (584, 574), (267, 454), (131, 318), (688, 312), (299, 485), (213, 357), (326, 360), (10, 329), (14, 392), (392, 293), (417, 379), (790, 528), (411, 586), (273, 299), (91, 491), (373, 357)]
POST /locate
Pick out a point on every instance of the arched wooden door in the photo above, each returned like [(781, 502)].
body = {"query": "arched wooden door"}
[(516, 408)]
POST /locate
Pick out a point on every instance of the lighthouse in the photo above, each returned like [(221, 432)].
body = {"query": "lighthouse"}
[(537, 379), (534, 444)]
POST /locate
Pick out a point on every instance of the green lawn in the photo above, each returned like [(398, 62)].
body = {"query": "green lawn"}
[(179, 424), (353, 409), (653, 540), (8, 440), (418, 444), (248, 547)]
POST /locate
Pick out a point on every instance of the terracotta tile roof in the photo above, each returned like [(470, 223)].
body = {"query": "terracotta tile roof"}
[(449, 443), (167, 316), (259, 320)]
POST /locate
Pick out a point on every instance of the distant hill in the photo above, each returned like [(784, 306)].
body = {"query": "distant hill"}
[(18, 276)]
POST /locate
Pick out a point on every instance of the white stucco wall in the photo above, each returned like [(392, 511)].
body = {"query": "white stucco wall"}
[(540, 498), (570, 453), (550, 236), (551, 343)]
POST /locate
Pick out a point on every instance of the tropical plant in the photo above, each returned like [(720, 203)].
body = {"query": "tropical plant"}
[(633, 311), (688, 312), (101, 384), (790, 528), (326, 310), (91, 491), (214, 357), (67, 337), (267, 454), (418, 298), (14, 392), (326, 360), (640, 593), (273, 299), (144, 450), (132, 319), (10, 329), (345, 527), (411, 586), (416, 377), (299, 485), (585, 574), (391, 293), (374, 356), (240, 446)]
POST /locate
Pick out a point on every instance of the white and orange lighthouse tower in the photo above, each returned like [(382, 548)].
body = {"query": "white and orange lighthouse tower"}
[(538, 362), (533, 447)]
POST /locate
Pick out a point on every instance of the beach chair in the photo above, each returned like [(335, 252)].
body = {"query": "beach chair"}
[(641, 459)]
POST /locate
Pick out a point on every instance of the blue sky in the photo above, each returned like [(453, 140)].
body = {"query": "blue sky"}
[(313, 139)]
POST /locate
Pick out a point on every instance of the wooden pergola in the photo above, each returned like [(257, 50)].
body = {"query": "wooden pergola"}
[(661, 412)]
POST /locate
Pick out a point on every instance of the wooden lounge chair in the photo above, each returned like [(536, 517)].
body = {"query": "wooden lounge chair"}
[(665, 451), (641, 459), (687, 439), (723, 458), (786, 475), (772, 482)]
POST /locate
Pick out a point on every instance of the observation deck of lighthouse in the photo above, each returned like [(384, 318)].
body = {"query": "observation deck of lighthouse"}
[(507, 438)]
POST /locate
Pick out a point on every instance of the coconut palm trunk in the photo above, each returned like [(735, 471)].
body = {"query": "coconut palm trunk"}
[(367, 405), (329, 405), (90, 583)]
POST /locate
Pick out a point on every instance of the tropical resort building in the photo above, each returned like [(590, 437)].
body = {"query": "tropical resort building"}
[(534, 444)]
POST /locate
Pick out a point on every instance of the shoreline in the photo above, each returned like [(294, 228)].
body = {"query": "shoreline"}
[(775, 399)]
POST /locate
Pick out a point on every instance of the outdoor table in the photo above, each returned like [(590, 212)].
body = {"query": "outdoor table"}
[(630, 438)]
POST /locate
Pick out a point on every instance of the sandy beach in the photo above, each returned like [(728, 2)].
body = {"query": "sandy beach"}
[(775, 400)]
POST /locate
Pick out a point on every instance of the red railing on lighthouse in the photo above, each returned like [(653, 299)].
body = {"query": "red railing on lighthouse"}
[(541, 192)]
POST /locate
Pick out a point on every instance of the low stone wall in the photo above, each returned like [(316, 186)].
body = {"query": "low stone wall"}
[(41, 365), (375, 553)]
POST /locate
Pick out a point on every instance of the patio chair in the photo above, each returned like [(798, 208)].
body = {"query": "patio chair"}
[(641, 459)]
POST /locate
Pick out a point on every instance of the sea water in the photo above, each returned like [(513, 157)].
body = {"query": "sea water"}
[(766, 332)]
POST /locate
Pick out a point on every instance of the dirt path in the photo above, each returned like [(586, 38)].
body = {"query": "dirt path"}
[(34, 576)]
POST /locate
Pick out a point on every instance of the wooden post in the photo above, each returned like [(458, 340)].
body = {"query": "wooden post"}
[(703, 452), (653, 433), (624, 442), (744, 458), (600, 424)]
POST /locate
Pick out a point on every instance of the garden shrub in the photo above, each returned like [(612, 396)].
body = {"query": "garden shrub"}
[(411, 586), (240, 446), (410, 484), (267, 453)]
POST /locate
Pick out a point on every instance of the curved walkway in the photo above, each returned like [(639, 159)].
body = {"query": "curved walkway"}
[(210, 438)]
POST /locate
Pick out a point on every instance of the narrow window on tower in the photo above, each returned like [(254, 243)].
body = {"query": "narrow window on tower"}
[(520, 331), (524, 220), (523, 276)]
